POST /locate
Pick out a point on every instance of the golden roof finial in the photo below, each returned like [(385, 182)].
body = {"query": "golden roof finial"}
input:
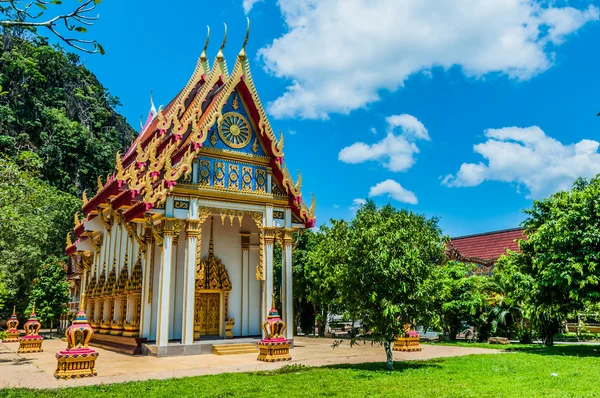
[(151, 101), (203, 55), (76, 219), (84, 197), (242, 54), (220, 55), (69, 243), (100, 183), (14, 310), (313, 205)]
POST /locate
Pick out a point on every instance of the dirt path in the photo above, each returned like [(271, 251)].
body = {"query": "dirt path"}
[(36, 370)]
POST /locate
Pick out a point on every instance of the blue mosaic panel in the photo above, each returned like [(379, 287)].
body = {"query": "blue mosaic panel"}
[(234, 104), (220, 173)]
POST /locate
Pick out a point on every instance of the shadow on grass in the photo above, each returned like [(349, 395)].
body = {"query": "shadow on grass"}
[(561, 350), (399, 366)]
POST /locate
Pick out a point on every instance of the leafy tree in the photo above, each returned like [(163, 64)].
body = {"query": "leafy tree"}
[(458, 297), (560, 258), (391, 255), (326, 259), (50, 291), (34, 216)]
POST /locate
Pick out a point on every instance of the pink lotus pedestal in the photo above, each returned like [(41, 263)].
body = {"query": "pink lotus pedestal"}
[(78, 360), (13, 332), (274, 347)]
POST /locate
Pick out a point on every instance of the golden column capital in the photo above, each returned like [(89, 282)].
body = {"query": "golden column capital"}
[(288, 235), (192, 229), (245, 241), (269, 234)]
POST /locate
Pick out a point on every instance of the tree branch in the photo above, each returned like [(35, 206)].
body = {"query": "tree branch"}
[(24, 18)]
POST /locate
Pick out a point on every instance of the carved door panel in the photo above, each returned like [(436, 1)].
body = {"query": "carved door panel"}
[(208, 313)]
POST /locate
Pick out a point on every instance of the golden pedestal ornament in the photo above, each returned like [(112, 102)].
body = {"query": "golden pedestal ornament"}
[(78, 360), (274, 347), (229, 328), (12, 332), (408, 344), (32, 341)]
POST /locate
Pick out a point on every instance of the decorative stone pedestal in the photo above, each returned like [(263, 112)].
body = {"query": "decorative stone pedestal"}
[(78, 360), (408, 344), (32, 341), (274, 347), (12, 332)]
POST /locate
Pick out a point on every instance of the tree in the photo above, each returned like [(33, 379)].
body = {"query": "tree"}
[(391, 256), (33, 216), (19, 15), (458, 296), (560, 259), (326, 259), (50, 291)]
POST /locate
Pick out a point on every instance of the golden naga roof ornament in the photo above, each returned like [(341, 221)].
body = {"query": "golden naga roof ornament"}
[(76, 219), (242, 53), (298, 182), (84, 197), (184, 167), (122, 174), (313, 206), (100, 184), (68, 241)]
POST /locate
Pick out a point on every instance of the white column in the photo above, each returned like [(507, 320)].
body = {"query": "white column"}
[(245, 325), (146, 305), (193, 236), (286, 282), (162, 318)]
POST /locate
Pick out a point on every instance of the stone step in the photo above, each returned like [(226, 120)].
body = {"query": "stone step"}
[(234, 349)]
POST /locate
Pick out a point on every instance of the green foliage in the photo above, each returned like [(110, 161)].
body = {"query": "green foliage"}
[(34, 216), (458, 297), (53, 106), (326, 259), (558, 269), (50, 292), (390, 256)]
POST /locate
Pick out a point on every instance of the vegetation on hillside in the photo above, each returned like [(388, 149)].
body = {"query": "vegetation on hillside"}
[(59, 131)]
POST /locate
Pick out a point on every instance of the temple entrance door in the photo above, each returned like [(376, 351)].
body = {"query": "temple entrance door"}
[(208, 313)]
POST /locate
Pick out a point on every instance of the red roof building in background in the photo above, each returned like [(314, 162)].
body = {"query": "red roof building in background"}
[(484, 249)]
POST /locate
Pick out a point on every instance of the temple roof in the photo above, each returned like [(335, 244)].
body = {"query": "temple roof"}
[(170, 142), (484, 248)]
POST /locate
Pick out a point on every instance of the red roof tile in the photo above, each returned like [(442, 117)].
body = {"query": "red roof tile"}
[(487, 246)]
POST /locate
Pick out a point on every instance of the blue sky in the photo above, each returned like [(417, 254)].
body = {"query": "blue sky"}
[(466, 112)]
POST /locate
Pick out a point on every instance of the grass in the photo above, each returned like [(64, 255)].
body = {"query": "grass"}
[(527, 372)]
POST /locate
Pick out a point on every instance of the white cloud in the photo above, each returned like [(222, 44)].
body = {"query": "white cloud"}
[(396, 152), (248, 4), (393, 190), (528, 157), (339, 55), (373, 130), (292, 132), (356, 203)]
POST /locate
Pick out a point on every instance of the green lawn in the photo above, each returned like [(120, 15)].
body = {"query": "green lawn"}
[(525, 373)]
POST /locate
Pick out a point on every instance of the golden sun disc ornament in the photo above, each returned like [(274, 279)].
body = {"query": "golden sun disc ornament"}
[(234, 130)]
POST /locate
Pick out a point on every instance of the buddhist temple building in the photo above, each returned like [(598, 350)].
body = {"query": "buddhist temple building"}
[(176, 245), (484, 249)]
